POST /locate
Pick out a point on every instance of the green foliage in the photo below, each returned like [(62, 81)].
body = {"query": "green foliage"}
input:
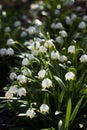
[(43, 66)]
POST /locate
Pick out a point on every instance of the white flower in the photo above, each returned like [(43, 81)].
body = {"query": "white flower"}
[(38, 22), (23, 34), (34, 6), (8, 95), (26, 72), (21, 92), (71, 49), (3, 51), (31, 45), (25, 61), (41, 73), (55, 55), (63, 33), (12, 76), (73, 16), (56, 12), (10, 51), (59, 40), (71, 2), (53, 25), (82, 25), (49, 43), (83, 58), (17, 24), (7, 29), (24, 17), (21, 79), (13, 89), (63, 58), (42, 49), (31, 30), (37, 44), (85, 18), (30, 113), (10, 41), (78, 8), (59, 25), (68, 20), (44, 108), (69, 76), (46, 83)]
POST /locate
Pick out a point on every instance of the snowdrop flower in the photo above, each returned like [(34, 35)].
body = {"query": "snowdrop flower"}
[(46, 83), (44, 108), (10, 41), (30, 113), (63, 33), (82, 25), (42, 49), (53, 25), (41, 73), (69, 76), (23, 34), (73, 17), (59, 25), (37, 44), (63, 58), (4, 13), (21, 79), (71, 2), (56, 12), (34, 6), (31, 46), (68, 20), (31, 30), (85, 18), (12, 76), (21, 92), (44, 13), (78, 8), (13, 89), (83, 58), (49, 43), (25, 62), (55, 55), (26, 72), (24, 17), (38, 22), (7, 29), (59, 40), (8, 95), (10, 51), (17, 24), (71, 49), (3, 51)]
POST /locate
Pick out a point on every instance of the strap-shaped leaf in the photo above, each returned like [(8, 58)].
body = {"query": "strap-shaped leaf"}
[(68, 113), (75, 111), (60, 82)]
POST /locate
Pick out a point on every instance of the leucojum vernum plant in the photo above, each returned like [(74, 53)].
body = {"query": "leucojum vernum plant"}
[(48, 86)]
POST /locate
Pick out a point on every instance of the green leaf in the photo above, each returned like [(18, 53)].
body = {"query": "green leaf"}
[(68, 113), (60, 99), (60, 82), (83, 91), (75, 111)]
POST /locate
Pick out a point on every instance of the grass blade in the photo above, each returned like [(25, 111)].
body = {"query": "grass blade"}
[(68, 113)]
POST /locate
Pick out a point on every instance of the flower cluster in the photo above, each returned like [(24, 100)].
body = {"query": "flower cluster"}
[(47, 60)]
